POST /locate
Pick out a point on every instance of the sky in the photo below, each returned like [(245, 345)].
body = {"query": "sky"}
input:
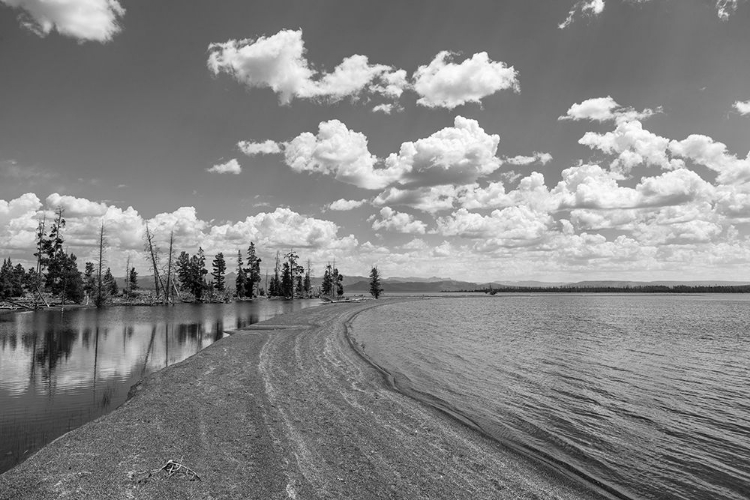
[(548, 140)]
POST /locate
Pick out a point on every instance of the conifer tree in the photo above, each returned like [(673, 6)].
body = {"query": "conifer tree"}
[(252, 272), (109, 283), (375, 288), (240, 282), (133, 280), (219, 268)]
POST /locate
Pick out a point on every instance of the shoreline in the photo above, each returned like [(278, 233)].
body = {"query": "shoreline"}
[(286, 408)]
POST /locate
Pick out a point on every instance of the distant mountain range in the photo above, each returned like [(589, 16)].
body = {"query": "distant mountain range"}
[(360, 284)]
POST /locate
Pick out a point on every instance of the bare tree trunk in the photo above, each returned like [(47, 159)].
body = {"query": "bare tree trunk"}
[(99, 297), (154, 257), (168, 292), (127, 277)]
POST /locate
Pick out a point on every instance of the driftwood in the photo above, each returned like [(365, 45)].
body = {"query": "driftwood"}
[(173, 468)]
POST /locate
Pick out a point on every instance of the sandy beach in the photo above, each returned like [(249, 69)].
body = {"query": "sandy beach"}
[(283, 409)]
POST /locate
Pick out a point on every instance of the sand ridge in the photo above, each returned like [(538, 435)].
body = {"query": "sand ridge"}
[(284, 409)]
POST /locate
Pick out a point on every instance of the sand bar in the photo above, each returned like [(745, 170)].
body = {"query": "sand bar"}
[(283, 409)]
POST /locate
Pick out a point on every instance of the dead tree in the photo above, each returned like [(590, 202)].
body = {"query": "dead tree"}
[(99, 289), (153, 252)]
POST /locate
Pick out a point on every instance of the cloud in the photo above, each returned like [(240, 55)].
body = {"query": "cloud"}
[(724, 8), (604, 109), (454, 155), (259, 148), (76, 207), (445, 84), (85, 20), (542, 158), (230, 167), (633, 146), (340, 152), (399, 222), (584, 7), (430, 199), (709, 153), (590, 8), (278, 62), (742, 108), (512, 226), (343, 205)]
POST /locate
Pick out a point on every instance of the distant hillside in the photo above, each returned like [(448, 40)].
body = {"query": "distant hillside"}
[(361, 284)]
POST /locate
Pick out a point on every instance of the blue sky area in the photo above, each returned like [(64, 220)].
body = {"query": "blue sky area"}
[(482, 140)]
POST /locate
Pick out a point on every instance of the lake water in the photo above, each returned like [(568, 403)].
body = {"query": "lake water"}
[(646, 395), (61, 370)]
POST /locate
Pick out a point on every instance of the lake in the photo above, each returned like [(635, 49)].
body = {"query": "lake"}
[(61, 370), (647, 396)]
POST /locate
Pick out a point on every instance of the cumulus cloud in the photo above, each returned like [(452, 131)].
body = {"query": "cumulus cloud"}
[(76, 207), (85, 20), (259, 148), (542, 158), (278, 62), (399, 222), (633, 146), (443, 83), (340, 152), (430, 199), (512, 226), (343, 205), (230, 167), (712, 154), (454, 155), (742, 108), (604, 109)]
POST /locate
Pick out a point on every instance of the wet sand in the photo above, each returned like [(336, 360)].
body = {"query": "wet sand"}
[(283, 409)]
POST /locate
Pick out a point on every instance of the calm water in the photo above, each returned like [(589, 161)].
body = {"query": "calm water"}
[(61, 370), (647, 395)]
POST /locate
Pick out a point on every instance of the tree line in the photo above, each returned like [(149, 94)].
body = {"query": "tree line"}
[(184, 278)]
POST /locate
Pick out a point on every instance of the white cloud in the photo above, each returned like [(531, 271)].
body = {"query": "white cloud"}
[(398, 221), (340, 152), (742, 108), (705, 151), (443, 83), (604, 109), (343, 205), (511, 226), (633, 146), (278, 62), (542, 158), (259, 148), (455, 155), (230, 167), (583, 7), (76, 207), (725, 8), (430, 199), (93, 20)]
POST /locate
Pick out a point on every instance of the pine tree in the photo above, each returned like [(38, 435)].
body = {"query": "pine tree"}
[(133, 280), (252, 272), (375, 288), (109, 283), (326, 286), (219, 268), (89, 279), (183, 271), (240, 282), (306, 283)]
